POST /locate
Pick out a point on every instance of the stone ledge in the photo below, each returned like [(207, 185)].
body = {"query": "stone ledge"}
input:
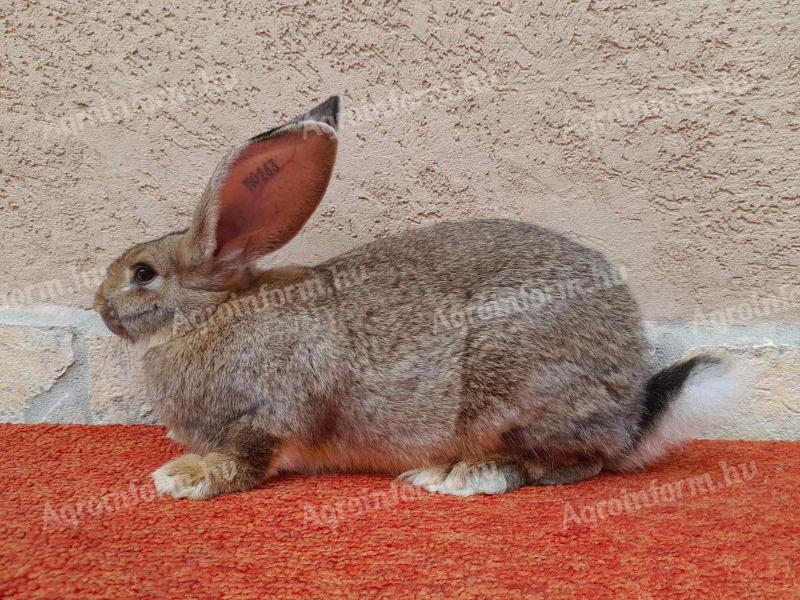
[(771, 408), (87, 322), (31, 362), (116, 389)]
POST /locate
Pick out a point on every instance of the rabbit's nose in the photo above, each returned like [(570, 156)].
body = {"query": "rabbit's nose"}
[(108, 307)]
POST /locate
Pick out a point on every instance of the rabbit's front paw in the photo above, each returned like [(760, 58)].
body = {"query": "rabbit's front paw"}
[(195, 477)]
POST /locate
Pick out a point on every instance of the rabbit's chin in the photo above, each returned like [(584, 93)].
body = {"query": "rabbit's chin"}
[(144, 343)]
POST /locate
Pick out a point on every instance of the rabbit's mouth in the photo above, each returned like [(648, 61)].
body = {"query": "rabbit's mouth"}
[(113, 323), (124, 324), (136, 314)]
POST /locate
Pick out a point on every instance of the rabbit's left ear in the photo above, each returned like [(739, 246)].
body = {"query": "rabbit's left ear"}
[(262, 193)]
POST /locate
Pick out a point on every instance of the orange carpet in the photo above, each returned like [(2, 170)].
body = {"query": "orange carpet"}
[(79, 519)]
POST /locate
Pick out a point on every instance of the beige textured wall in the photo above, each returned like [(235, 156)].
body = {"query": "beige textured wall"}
[(665, 133)]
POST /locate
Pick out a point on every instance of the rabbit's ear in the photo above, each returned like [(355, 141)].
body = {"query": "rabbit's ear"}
[(262, 193)]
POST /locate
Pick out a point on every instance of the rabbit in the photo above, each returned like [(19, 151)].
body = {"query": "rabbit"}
[(465, 358)]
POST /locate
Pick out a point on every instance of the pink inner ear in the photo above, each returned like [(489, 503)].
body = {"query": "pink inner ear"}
[(271, 190)]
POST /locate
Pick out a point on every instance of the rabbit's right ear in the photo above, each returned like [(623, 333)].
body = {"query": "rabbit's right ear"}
[(263, 192)]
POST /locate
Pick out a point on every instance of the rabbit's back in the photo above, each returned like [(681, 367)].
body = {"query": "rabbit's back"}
[(482, 328)]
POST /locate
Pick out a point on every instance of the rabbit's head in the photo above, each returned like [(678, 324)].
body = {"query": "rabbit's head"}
[(259, 197)]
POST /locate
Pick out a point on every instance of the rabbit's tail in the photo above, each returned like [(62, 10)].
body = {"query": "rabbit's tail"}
[(679, 403)]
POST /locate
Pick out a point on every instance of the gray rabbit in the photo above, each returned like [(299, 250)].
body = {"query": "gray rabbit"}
[(470, 357)]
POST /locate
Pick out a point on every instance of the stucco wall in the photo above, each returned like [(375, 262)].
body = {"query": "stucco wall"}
[(664, 133)]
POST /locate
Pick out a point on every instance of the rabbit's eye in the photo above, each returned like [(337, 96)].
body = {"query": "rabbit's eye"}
[(143, 273)]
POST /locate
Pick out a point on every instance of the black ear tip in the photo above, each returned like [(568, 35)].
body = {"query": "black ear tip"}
[(328, 111)]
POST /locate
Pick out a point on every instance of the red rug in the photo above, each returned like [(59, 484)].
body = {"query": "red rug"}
[(80, 520)]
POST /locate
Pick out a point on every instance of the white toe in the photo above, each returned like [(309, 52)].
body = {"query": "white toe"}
[(463, 479), (177, 486), (425, 477)]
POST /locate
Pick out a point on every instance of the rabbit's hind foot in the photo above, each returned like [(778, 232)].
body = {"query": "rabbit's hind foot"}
[(564, 474), (496, 476), (467, 478)]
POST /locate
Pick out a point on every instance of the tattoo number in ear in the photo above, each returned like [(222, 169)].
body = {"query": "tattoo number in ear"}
[(263, 173)]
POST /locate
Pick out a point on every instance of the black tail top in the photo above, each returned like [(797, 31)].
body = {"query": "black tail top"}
[(665, 385)]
